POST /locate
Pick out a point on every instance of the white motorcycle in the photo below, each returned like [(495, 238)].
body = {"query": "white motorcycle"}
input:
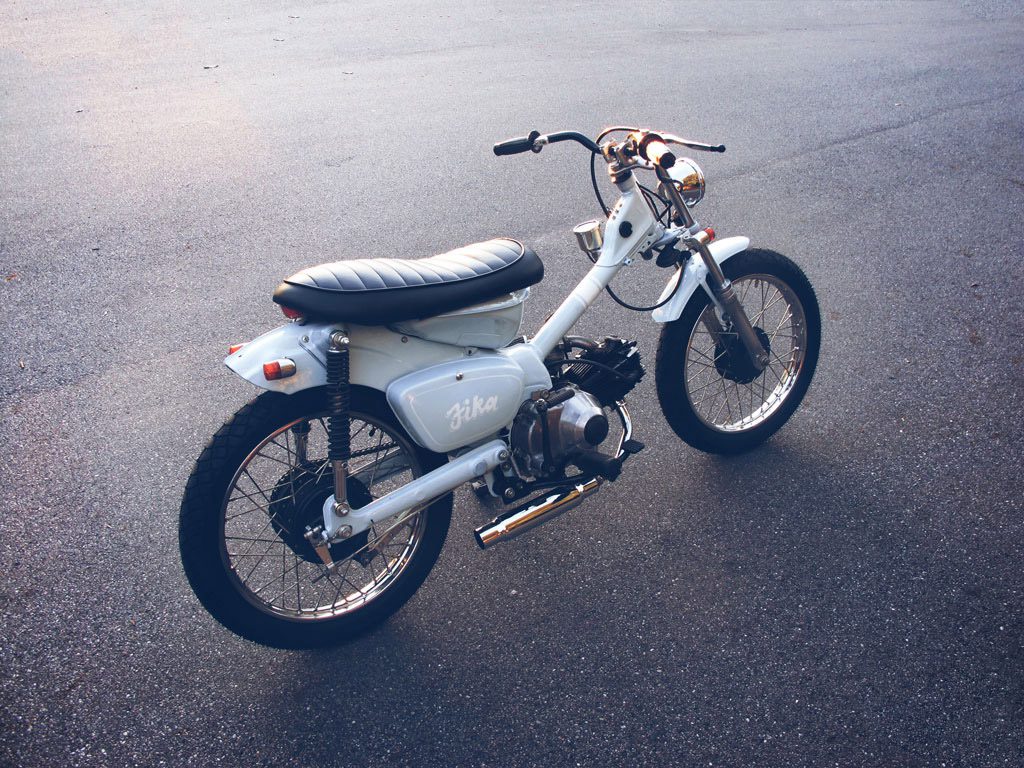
[(320, 507)]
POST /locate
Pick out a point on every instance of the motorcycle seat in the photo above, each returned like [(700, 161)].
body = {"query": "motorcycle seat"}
[(383, 291)]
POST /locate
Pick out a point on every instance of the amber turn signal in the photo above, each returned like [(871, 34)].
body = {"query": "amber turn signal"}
[(278, 369)]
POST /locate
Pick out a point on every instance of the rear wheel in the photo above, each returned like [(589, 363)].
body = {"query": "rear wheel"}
[(712, 395), (262, 480)]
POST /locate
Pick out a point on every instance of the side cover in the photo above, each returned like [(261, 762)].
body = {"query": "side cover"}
[(379, 356), (458, 403)]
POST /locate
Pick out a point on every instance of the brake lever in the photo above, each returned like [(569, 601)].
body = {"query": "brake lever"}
[(673, 139)]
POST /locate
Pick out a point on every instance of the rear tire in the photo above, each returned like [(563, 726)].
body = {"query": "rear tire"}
[(206, 527), (745, 408)]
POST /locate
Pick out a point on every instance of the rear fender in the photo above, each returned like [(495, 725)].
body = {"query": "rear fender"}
[(693, 276), (294, 342), (378, 356)]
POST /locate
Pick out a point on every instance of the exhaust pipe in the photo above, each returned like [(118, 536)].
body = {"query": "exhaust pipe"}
[(532, 514)]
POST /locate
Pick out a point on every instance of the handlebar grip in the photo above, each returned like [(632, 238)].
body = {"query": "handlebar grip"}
[(658, 153), (515, 146)]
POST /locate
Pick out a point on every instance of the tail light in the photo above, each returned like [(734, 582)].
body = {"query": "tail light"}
[(291, 314)]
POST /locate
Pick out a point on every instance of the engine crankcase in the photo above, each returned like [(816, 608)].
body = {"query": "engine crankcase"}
[(575, 425)]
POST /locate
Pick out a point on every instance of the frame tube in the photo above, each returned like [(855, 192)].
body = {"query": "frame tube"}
[(422, 490), (631, 228)]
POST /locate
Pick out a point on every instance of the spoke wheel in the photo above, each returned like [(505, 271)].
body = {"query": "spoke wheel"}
[(262, 481), (711, 393), (723, 387), (276, 495)]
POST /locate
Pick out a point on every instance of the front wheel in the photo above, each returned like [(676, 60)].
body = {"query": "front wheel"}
[(710, 392), (262, 480)]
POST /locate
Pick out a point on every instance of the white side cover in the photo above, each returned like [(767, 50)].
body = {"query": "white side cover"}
[(446, 397), (693, 276), (378, 356)]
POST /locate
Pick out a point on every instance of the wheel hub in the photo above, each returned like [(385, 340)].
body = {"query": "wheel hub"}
[(297, 504), (732, 361)]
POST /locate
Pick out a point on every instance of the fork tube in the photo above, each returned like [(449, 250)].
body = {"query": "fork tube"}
[(726, 298)]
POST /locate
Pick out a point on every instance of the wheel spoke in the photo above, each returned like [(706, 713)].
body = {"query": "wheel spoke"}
[(713, 384), (261, 513)]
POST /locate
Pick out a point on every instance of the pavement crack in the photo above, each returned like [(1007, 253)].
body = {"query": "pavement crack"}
[(868, 133)]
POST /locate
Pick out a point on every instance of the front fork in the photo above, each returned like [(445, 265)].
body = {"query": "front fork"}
[(729, 304), (721, 288)]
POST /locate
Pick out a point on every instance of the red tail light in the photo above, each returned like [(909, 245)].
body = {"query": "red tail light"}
[(291, 314)]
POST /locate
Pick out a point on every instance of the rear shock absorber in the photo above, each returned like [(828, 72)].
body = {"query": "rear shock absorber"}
[(339, 448)]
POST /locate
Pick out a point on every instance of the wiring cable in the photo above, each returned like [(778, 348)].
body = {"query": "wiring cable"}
[(651, 197)]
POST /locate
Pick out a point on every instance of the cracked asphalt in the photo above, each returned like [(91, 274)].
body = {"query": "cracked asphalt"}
[(849, 594)]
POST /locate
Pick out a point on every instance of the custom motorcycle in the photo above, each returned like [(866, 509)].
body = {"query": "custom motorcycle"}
[(320, 507)]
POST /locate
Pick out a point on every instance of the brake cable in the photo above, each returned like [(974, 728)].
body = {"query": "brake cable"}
[(651, 195)]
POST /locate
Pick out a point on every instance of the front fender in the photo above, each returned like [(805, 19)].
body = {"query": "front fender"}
[(693, 276)]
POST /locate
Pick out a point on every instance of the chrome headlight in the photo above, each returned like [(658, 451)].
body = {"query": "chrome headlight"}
[(689, 180)]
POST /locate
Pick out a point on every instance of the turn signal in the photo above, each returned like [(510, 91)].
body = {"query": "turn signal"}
[(710, 233), (278, 369), (234, 348)]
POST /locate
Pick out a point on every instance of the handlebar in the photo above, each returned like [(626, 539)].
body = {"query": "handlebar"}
[(535, 142), (650, 146), (639, 149), (515, 146)]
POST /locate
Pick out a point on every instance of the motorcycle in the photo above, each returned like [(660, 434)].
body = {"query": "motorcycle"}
[(320, 507)]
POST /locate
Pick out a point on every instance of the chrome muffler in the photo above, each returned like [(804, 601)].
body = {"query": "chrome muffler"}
[(535, 512)]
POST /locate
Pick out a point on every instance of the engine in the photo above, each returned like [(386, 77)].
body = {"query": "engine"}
[(557, 426), (608, 370), (550, 430)]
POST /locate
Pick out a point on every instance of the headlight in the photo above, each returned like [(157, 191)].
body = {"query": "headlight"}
[(689, 180)]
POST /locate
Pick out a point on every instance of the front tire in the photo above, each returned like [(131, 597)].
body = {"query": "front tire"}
[(709, 392), (261, 480)]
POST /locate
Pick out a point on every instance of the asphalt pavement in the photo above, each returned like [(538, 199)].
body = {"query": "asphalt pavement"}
[(848, 594)]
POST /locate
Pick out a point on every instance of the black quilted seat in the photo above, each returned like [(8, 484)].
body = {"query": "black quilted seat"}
[(382, 291)]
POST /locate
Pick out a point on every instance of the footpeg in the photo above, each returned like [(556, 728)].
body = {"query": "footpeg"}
[(632, 447), (600, 464), (603, 465)]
